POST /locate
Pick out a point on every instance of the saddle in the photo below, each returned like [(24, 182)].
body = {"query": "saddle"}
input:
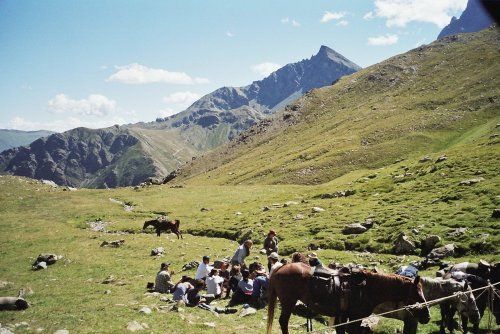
[(338, 289)]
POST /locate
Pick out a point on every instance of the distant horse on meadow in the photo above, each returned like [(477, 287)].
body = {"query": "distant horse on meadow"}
[(164, 225), (293, 282)]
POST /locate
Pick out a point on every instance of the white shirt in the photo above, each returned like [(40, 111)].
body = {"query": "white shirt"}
[(203, 271), (274, 267), (213, 285)]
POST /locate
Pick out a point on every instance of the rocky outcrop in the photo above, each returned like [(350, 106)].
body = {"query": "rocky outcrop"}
[(474, 18)]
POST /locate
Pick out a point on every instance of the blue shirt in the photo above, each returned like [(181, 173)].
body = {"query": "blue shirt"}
[(259, 283)]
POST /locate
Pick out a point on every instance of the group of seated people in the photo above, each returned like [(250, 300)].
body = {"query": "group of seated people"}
[(232, 280)]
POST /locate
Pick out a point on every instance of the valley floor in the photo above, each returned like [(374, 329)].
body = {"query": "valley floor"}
[(36, 218)]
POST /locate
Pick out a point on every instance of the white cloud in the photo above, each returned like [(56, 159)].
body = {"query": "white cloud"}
[(293, 22), (60, 125), (328, 16), (265, 68), (95, 105), (182, 98), (103, 67), (387, 39), (342, 23), (230, 34), (137, 74), (400, 12), (368, 16)]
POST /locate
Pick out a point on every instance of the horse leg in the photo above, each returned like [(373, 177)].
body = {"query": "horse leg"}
[(158, 232), (309, 325), (444, 318), (286, 312), (338, 320), (410, 326), (465, 321)]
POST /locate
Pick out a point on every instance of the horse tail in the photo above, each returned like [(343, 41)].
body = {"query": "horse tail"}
[(272, 303), (177, 223)]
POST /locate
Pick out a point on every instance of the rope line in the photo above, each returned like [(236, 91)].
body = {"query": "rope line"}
[(415, 306)]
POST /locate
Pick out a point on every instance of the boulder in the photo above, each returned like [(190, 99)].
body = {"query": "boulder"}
[(266, 208), (299, 216), (47, 258), (424, 159), (61, 331), (145, 310), (403, 245), (429, 243), (317, 209), (471, 181), (157, 251), (190, 265), (368, 223), (442, 252), (441, 158), (495, 213), (247, 311), (457, 232), (135, 326), (355, 228), (113, 244)]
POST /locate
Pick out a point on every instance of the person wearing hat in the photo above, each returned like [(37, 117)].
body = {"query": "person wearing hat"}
[(314, 261), (274, 259), (260, 286), (241, 253), (163, 283), (204, 269), (271, 246)]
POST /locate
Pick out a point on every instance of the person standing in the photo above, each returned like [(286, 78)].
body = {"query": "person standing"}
[(203, 269), (163, 283), (271, 246), (241, 253)]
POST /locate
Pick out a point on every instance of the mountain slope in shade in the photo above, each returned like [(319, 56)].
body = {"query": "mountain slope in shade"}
[(410, 105), (14, 138), (127, 155), (474, 18)]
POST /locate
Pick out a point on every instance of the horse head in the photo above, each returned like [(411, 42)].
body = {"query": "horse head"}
[(416, 295), (148, 223)]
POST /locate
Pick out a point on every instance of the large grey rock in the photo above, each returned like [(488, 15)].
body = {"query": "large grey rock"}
[(403, 245), (317, 209), (135, 326), (157, 251), (61, 331), (429, 243), (442, 252), (355, 228), (247, 311)]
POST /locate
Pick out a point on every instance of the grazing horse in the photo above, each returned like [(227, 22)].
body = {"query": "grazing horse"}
[(164, 225), (435, 288), (291, 283)]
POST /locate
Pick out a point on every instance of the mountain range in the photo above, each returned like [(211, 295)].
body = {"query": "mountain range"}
[(14, 138), (127, 155)]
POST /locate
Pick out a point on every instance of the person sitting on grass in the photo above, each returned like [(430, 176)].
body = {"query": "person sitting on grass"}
[(314, 260), (235, 278), (214, 283), (163, 283), (181, 288), (193, 297), (260, 286), (204, 268), (226, 275), (275, 263), (243, 294), (241, 253)]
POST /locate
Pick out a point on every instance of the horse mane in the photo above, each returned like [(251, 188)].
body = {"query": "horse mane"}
[(436, 288), (388, 283)]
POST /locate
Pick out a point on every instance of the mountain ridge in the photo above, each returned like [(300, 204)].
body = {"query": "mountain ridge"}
[(474, 18)]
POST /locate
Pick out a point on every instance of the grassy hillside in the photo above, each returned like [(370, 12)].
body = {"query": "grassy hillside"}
[(420, 102), (15, 138)]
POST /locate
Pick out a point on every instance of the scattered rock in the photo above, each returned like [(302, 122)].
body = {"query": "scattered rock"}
[(107, 292), (355, 228), (190, 265), (404, 245), (49, 183), (238, 213), (428, 244), (145, 310), (299, 216), (113, 244), (317, 209), (5, 284), (495, 213), (247, 311), (266, 208), (205, 209), (471, 181), (441, 158), (157, 251), (110, 279), (442, 252), (263, 251), (341, 193), (457, 232), (5, 330), (61, 331), (425, 159), (135, 326), (98, 226), (209, 324), (40, 265), (289, 203), (368, 223)]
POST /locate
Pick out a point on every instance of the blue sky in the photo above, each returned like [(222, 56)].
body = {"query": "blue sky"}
[(96, 63)]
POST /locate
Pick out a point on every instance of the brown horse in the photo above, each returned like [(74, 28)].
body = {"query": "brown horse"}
[(290, 283), (164, 225)]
